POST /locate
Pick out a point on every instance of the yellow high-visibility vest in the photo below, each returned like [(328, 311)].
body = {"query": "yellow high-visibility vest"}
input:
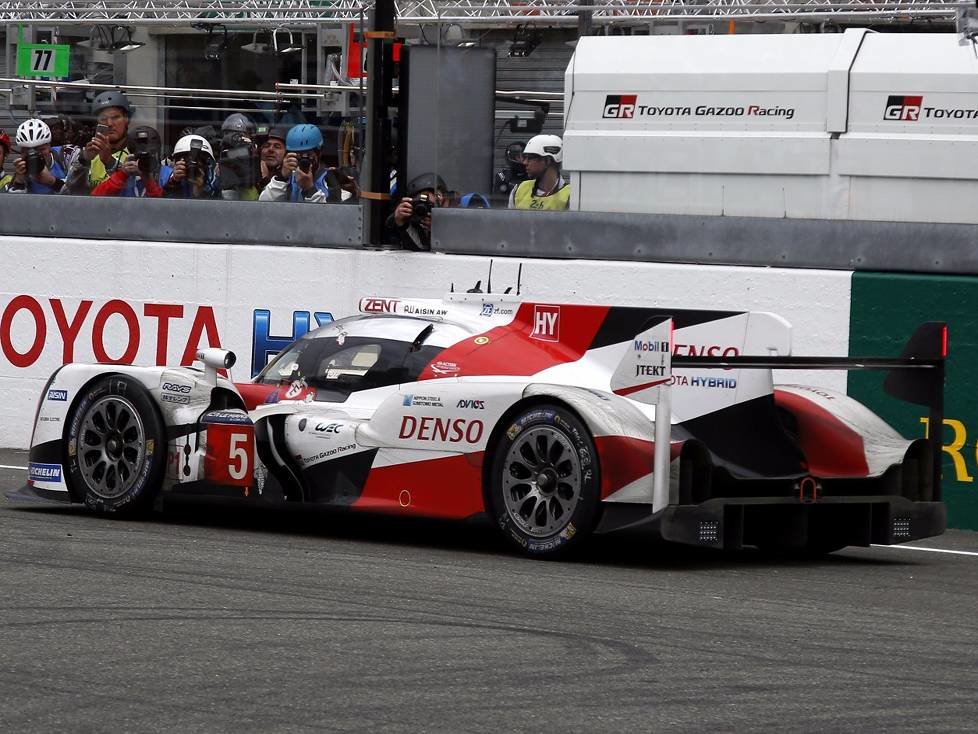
[(526, 198), (96, 169)]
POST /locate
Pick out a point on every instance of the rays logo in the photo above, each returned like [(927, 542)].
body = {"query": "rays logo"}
[(903, 108), (621, 106)]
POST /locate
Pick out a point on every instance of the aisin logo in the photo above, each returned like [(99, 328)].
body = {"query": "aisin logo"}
[(620, 105), (906, 109)]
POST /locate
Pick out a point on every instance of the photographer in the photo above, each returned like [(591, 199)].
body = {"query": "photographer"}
[(239, 162), (40, 168), (5, 178), (272, 151), (138, 175), (108, 148), (303, 178), (410, 223), (193, 175)]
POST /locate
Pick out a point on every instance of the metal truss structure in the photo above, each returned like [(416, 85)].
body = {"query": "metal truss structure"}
[(292, 13)]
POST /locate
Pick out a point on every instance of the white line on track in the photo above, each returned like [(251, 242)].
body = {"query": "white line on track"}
[(896, 547), (929, 550)]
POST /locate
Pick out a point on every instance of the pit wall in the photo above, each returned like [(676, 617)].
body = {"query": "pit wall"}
[(65, 300)]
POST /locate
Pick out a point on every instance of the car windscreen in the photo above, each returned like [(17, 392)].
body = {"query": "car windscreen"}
[(337, 366)]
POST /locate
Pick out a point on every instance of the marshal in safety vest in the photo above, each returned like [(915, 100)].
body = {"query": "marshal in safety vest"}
[(525, 198)]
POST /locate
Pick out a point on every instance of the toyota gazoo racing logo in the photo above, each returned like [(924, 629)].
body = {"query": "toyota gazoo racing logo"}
[(903, 108), (620, 106)]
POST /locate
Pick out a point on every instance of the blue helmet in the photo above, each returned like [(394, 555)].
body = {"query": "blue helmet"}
[(303, 137)]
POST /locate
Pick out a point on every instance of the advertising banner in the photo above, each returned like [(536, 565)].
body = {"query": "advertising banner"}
[(886, 308)]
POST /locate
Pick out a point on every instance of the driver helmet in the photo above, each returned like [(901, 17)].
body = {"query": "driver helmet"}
[(33, 133), (546, 146)]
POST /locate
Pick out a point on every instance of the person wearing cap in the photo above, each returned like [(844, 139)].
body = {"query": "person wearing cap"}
[(5, 178), (545, 189), (40, 169), (410, 223), (193, 175), (272, 152), (139, 174), (303, 178), (109, 147)]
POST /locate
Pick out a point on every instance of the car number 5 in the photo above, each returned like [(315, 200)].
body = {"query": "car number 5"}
[(238, 456)]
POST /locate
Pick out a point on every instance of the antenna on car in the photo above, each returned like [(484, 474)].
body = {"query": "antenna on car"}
[(477, 288), (489, 282), (519, 276), (508, 289), (452, 289)]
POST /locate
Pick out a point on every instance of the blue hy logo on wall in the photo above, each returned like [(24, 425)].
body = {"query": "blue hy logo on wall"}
[(264, 345)]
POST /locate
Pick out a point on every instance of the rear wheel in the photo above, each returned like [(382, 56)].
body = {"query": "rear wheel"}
[(116, 447), (544, 485)]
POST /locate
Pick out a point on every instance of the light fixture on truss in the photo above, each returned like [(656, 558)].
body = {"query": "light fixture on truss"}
[(271, 46), (114, 40)]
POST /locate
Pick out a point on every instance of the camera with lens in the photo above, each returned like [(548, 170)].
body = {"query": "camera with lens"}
[(193, 159), (239, 161), (145, 146), (304, 162), (35, 162), (421, 206)]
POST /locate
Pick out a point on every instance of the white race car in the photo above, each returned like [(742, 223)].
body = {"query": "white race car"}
[(541, 416)]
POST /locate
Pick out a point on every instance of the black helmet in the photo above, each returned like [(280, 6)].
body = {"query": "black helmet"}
[(112, 98), (514, 152), (280, 132), (426, 181), (145, 139), (209, 133), (238, 123)]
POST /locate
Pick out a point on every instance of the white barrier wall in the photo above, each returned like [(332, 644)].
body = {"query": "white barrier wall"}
[(150, 303)]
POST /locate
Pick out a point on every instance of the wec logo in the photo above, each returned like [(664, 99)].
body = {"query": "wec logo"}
[(621, 106), (903, 108)]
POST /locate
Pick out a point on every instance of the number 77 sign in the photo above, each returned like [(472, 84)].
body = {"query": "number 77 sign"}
[(43, 60)]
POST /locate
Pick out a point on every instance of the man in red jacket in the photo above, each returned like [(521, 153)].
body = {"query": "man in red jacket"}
[(139, 174)]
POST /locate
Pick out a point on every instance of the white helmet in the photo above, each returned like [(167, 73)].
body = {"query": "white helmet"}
[(33, 133), (183, 145), (546, 145)]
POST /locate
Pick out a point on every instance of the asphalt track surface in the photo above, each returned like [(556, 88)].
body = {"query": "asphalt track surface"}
[(225, 620)]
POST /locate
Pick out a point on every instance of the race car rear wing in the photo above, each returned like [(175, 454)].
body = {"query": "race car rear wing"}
[(916, 376)]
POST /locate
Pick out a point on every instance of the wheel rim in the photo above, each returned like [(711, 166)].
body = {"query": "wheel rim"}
[(541, 481), (111, 446)]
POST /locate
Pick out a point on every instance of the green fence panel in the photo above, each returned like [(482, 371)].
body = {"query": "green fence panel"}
[(885, 309)]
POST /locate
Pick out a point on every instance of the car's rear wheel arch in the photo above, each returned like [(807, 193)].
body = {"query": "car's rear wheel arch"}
[(541, 477), (493, 444)]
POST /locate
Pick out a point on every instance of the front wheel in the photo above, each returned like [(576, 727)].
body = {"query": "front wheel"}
[(115, 445), (544, 484)]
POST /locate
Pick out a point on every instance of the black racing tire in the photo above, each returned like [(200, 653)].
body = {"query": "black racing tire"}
[(544, 482), (116, 447)]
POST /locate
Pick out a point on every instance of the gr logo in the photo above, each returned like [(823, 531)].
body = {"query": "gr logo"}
[(903, 108), (621, 106)]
